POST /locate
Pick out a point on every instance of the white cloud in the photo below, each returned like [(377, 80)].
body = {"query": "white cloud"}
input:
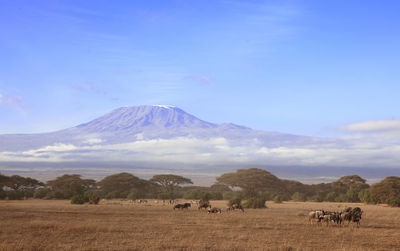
[(92, 141), (374, 126), (356, 153), (5, 99)]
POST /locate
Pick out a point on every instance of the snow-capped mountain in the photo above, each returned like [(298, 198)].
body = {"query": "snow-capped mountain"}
[(127, 124), (156, 139)]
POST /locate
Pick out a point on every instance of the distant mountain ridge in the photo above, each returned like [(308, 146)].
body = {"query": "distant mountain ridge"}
[(138, 117), (127, 124)]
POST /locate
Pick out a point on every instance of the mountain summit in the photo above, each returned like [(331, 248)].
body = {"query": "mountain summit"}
[(137, 118), (148, 122)]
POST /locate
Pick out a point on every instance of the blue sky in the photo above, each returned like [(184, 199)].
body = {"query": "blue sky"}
[(304, 67)]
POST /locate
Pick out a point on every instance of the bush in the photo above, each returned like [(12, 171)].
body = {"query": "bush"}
[(352, 196), (255, 203), (167, 196), (132, 196), (316, 198), (93, 199), (278, 198), (3, 195), (78, 199), (299, 196), (41, 193), (235, 200), (216, 196), (229, 195), (341, 198), (393, 201), (266, 195), (331, 197), (367, 197), (15, 195)]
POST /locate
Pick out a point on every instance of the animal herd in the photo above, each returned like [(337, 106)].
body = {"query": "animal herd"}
[(349, 214), (205, 204)]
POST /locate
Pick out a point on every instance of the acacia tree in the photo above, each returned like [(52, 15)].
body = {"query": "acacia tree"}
[(252, 181), (170, 182), (386, 190), (120, 185), (68, 185), (17, 182)]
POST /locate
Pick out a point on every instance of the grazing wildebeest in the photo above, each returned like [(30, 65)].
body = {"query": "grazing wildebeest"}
[(356, 214), (316, 215), (214, 210), (182, 206), (235, 206), (351, 215), (204, 204)]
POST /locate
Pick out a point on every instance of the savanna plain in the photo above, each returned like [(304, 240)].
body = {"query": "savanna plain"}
[(121, 225)]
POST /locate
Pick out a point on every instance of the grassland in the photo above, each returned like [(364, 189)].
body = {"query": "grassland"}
[(120, 225)]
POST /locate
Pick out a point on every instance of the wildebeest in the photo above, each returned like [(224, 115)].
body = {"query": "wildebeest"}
[(235, 206), (214, 210), (204, 204), (316, 215), (356, 214), (330, 217), (182, 206)]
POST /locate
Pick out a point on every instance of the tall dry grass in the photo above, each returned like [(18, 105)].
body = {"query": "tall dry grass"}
[(119, 225)]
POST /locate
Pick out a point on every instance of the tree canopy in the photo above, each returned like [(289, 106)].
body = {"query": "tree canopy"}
[(69, 184), (386, 189), (121, 184), (20, 183), (252, 180), (169, 182)]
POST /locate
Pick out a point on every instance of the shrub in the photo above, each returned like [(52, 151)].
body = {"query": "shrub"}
[(352, 196), (41, 193), (367, 197), (230, 195), (278, 198), (15, 195), (78, 199), (266, 195), (235, 200), (341, 198), (393, 201), (132, 196), (299, 196), (112, 195), (94, 199), (3, 195), (331, 197), (216, 196), (255, 203)]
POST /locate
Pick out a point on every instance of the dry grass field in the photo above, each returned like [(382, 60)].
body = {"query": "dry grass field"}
[(120, 225)]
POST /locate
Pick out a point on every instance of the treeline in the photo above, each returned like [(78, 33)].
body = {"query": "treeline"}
[(121, 186), (251, 184)]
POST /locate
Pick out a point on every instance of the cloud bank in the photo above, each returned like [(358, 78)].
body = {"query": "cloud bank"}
[(360, 152), (391, 125)]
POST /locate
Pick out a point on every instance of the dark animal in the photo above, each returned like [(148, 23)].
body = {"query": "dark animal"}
[(356, 214), (330, 217), (351, 215), (214, 210), (204, 204), (235, 207), (182, 206)]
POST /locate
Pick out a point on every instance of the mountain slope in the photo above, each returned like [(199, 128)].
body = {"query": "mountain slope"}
[(127, 124)]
